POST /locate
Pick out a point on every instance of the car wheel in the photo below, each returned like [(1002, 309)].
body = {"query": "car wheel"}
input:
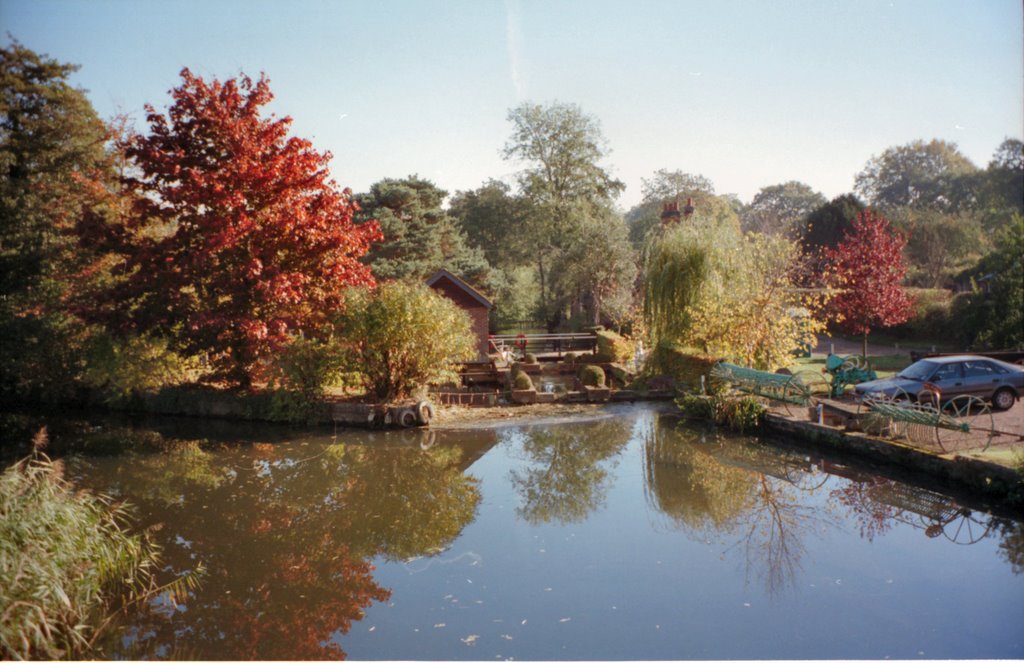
[(1003, 399)]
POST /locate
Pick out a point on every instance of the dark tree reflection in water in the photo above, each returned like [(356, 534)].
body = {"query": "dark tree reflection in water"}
[(1011, 548), (286, 536)]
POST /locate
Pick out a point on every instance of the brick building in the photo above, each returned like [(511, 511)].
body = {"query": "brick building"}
[(470, 300)]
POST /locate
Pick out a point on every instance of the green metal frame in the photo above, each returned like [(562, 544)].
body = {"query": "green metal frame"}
[(774, 386)]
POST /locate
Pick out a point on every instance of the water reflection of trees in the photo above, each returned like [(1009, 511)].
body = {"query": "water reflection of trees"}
[(1011, 547), (712, 486), (286, 534), (568, 476)]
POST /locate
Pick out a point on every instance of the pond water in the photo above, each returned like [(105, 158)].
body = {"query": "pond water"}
[(628, 537)]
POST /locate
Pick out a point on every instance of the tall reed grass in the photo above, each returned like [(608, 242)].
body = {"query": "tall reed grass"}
[(68, 562)]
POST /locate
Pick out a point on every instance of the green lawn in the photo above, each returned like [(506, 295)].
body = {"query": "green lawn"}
[(884, 365)]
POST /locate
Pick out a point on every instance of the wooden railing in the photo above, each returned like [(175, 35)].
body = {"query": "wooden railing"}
[(544, 343)]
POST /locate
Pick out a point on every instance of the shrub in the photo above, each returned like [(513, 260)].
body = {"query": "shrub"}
[(741, 414), (299, 376), (613, 348), (530, 358), (570, 357), (685, 367), (67, 561), (592, 376), (738, 413), (522, 382), (697, 406), (932, 311), (403, 336), (120, 368)]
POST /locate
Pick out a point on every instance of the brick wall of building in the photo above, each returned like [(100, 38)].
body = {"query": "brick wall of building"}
[(479, 315), (481, 323)]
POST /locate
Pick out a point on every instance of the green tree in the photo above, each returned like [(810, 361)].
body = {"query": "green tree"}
[(51, 141), (563, 147), (934, 175), (566, 186), (726, 294), (994, 318), (674, 185), (825, 226), (496, 222), (939, 245), (49, 136), (595, 273), (667, 186), (781, 208), (1001, 190), (403, 336), (419, 235)]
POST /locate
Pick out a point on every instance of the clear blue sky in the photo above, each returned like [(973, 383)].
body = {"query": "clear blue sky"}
[(748, 93)]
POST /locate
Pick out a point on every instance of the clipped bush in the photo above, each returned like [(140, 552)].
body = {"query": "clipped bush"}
[(592, 376), (530, 358), (522, 382), (570, 357), (682, 365), (516, 369), (613, 348)]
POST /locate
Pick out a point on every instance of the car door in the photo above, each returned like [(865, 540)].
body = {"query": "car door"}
[(982, 378), (949, 379)]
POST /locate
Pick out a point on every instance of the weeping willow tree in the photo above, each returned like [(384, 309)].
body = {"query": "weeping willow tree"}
[(712, 289), (676, 272)]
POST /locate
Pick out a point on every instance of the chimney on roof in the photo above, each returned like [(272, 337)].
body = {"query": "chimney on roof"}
[(688, 210), (670, 213)]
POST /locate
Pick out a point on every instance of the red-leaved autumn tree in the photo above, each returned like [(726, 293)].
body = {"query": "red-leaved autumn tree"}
[(867, 269), (237, 238)]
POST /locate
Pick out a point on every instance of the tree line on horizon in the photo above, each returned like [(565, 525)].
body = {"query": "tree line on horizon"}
[(218, 235)]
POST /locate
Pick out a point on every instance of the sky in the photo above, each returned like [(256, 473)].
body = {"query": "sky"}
[(746, 93)]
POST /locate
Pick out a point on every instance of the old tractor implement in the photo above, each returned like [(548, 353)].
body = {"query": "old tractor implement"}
[(793, 391), (847, 371), (964, 422)]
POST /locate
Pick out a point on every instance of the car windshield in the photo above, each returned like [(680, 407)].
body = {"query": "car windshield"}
[(919, 370)]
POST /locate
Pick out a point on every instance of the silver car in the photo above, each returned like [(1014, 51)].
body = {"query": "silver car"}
[(988, 379)]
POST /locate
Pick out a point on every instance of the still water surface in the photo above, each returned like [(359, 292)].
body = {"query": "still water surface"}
[(629, 537)]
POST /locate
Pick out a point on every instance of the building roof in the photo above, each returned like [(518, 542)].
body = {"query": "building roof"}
[(444, 274)]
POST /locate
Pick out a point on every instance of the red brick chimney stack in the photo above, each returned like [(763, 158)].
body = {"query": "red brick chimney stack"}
[(688, 210), (670, 213)]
